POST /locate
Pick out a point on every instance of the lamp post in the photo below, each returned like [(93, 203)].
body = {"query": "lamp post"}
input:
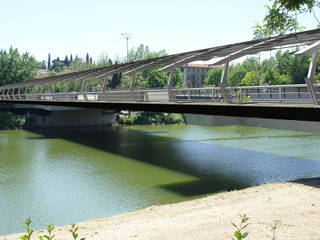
[(127, 36)]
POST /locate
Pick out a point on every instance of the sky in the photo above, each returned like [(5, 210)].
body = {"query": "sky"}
[(64, 27)]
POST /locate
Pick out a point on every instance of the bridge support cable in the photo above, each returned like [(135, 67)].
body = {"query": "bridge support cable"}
[(223, 84), (170, 84), (310, 79), (132, 83), (68, 86), (105, 83), (54, 90), (84, 95)]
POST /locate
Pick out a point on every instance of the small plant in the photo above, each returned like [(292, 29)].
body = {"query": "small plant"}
[(27, 224), (274, 227), (74, 231), (239, 234), (50, 229)]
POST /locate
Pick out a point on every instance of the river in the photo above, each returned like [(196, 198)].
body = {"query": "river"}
[(67, 176)]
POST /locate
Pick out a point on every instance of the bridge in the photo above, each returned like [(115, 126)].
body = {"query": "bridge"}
[(295, 102)]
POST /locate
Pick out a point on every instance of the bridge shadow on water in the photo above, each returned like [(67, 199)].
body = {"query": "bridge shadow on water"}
[(216, 168)]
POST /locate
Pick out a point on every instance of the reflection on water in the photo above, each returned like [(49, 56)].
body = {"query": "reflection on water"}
[(66, 176)]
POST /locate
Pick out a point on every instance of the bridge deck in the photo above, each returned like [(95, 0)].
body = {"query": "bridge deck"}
[(303, 112)]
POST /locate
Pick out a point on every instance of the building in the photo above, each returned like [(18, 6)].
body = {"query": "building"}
[(195, 74)]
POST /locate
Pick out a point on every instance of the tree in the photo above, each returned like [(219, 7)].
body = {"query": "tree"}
[(235, 74), (57, 65), (214, 77), (273, 76), (41, 65), (177, 78), (296, 67), (49, 61), (71, 59), (15, 67), (66, 61), (282, 17), (115, 81), (87, 58), (156, 79), (251, 78), (143, 52)]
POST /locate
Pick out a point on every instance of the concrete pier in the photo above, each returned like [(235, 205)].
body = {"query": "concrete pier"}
[(71, 118)]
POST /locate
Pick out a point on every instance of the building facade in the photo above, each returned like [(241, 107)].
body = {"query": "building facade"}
[(195, 74)]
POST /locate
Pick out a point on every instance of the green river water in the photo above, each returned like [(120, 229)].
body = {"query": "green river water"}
[(67, 176)]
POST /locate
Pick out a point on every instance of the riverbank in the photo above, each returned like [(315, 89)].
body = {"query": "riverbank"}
[(295, 204)]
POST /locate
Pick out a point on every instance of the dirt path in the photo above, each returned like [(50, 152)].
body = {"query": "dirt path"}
[(295, 204)]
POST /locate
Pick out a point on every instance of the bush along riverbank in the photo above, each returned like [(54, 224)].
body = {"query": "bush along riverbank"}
[(144, 118), (11, 121)]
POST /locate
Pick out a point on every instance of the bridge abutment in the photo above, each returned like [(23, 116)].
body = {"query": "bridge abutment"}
[(70, 119)]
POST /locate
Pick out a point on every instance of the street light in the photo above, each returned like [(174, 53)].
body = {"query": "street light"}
[(127, 36)]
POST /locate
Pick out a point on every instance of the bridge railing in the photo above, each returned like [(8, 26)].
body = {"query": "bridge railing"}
[(294, 93)]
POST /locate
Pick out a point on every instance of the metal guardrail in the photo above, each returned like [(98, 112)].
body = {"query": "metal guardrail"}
[(295, 93)]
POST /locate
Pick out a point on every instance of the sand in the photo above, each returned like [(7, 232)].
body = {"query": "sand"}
[(295, 204)]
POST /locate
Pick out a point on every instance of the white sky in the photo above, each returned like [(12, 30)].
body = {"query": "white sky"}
[(62, 27)]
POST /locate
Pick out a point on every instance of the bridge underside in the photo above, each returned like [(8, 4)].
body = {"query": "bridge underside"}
[(301, 112)]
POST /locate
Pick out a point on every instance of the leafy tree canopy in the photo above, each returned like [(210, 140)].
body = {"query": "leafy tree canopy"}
[(282, 17), (16, 67), (214, 77), (144, 52)]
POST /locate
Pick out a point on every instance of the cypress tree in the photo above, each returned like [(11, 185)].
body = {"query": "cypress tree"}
[(71, 59), (87, 58), (66, 61), (49, 61), (90, 60)]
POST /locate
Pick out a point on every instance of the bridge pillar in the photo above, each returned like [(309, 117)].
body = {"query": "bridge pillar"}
[(72, 118), (223, 84)]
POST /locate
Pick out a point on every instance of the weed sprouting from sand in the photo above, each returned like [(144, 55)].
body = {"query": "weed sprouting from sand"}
[(74, 230), (274, 226), (239, 233), (27, 226), (49, 236)]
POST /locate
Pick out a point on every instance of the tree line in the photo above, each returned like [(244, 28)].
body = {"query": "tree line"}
[(283, 68)]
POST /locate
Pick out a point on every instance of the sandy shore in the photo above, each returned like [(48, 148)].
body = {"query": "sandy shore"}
[(295, 204)]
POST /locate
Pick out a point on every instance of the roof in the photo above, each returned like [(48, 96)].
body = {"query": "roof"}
[(224, 54), (194, 65)]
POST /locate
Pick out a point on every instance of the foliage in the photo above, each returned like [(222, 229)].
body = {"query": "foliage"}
[(274, 226), (235, 74), (282, 17), (27, 226), (143, 52), (296, 67), (115, 81), (104, 60), (74, 232), (50, 229), (49, 236), (214, 77), (15, 67), (9, 120), (239, 234), (57, 66), (150, 118), (41, 65), (274, 77), (251, 78)]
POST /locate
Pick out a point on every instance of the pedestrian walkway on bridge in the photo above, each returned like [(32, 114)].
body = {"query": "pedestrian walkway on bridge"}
[(45, 89)]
